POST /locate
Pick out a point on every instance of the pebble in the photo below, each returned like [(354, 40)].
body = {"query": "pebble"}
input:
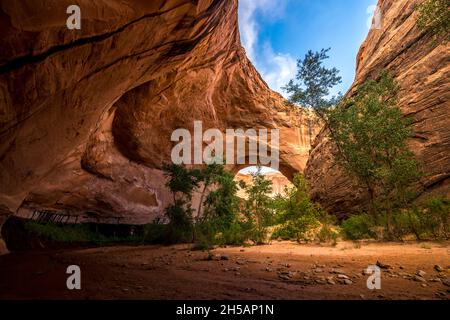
[(318, 270), (419, 278), (337, 271), (446, 282), (438, 268), (421, 273), (342, 276), (348, 281), (383, 265)]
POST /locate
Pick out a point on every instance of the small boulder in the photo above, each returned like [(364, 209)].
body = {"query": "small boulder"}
[(382, 265), (421, 273)]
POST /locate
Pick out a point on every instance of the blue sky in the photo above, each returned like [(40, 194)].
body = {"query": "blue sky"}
[(275, 33)]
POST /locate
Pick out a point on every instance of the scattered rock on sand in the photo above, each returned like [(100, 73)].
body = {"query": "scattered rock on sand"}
[(284, 277), (337, 271), (419, 278), (438, 268), (382, 265), (421, 273), (343, 276), (446, 282), (348, 281)]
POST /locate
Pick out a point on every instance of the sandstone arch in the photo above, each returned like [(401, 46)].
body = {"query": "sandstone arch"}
[(84, 116)]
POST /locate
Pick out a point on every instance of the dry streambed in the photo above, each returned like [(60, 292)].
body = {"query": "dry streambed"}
[(282, 270)]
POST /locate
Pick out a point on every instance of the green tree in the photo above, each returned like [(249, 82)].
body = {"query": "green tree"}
[(311, 88), (434, 16), (181, 182), (257, 207), (298, 217), (371, 134), (222, 204), (219, 219)]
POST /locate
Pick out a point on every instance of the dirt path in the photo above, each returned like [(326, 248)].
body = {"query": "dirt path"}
[(281, 270)]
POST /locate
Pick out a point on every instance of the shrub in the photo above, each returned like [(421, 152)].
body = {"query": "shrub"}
[(434, 16), (435, 219), (180, 226), (155, 233), (358, 227), (298, 218), (430, 221), (327, 234)]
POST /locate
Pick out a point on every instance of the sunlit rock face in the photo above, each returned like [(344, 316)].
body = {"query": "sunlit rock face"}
[(86, 115), (422, 68)]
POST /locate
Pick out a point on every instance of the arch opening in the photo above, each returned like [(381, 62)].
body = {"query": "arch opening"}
[(279, 181)]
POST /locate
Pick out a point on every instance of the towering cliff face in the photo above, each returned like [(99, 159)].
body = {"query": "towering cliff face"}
[(422, 68), (86, 115)]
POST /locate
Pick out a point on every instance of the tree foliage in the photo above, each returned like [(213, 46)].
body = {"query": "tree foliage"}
[(298, 218), (434, 16), (311, 88), (371, 135), (257, 207)]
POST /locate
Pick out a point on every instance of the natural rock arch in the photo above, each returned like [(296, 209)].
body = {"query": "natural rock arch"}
[(94, 138)]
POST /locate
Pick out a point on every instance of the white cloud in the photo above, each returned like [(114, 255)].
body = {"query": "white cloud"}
[(275, 68)]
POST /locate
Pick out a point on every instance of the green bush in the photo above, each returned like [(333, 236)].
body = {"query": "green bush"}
[(327, 234), (430, 221), (64, 234), (358, 227), (155, 233), (180, 226), (78, 234), (237, 233), (298, 218), (434, 16)]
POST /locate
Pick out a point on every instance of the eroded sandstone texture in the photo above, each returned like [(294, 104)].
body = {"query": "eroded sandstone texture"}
[(86, 115), (422, 68)]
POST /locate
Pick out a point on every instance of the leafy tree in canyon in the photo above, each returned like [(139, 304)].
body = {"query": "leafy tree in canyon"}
[(181, 183), (221, 207), (311, 88), (218, 205), (298, 218), (258, 206), (370, 133), (434, 16)]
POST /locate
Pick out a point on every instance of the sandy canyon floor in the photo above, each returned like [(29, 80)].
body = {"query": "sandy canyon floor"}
[(281, 270)]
